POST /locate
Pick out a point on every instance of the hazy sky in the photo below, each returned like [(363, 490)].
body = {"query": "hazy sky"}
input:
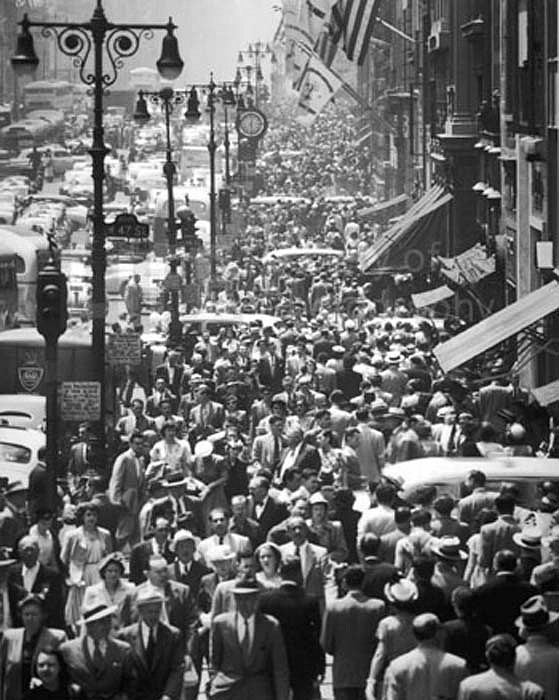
[(211, 32)]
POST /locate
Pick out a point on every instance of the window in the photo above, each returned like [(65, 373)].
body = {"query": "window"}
[(538, 188), (14, 453), (553, 92)]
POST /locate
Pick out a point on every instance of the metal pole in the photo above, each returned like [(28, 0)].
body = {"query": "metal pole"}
[(51, 380), (211, 150), (98, 152), (226, 144)]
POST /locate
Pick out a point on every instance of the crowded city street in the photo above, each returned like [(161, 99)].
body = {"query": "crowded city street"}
[(279, 341)]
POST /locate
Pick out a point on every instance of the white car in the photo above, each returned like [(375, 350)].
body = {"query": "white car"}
[(23, 410), (19, 452)]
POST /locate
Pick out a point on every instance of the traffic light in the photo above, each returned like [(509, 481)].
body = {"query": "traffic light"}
[(52, 306), (187, 223)]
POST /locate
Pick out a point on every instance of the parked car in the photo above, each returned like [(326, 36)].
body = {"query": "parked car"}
[(19, 452)]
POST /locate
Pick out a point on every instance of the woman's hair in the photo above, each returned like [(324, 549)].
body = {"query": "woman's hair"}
[(83, 508), (63, 675), (276, 553)]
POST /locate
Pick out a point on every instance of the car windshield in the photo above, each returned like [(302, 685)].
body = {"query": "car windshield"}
[(14, 453)]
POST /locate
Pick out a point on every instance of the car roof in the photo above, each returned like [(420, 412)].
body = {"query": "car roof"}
[(451, 470), (266, 319), (22, 436)]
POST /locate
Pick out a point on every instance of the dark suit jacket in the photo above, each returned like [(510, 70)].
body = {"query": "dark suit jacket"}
[(192, 579), (498, 602), (177, 385), (48, 583), (299, 618), (153, 411), (139, 559), (273, 514), (264, 675), (377, 575), (181, 610), (118, 674), (164, 675), (269, 377), (78, 463)]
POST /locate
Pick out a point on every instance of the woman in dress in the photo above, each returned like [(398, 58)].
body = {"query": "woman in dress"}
[(83, 550), (113, 589), (269, 559), (172, 453)]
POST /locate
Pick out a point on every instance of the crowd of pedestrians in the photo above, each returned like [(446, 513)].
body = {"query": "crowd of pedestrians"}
[(245, 533)]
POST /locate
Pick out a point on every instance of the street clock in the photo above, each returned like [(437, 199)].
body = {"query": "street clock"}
[(252, 123)]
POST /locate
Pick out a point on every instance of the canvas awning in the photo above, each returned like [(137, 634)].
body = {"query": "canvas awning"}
[(383, 207), (498, 327), (431, 296), (400, 233), (469, 267)]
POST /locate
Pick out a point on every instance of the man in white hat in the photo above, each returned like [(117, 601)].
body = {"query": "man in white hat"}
[(426, 671), (247, 652), (393, 379), (450, 559), (157, 648), (185, 569), (101, 666)]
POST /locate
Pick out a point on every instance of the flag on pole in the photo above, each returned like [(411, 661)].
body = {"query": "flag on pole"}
[(318, 85), (357, 19)]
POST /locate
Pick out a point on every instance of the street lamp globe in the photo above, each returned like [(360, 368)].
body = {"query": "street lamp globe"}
[(170, 64), (24, 61), (192, 114)]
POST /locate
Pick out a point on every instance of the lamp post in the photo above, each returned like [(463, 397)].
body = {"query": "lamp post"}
[(98, 37), (256, 53), (167, 98)]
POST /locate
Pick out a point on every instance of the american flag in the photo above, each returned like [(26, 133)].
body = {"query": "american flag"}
[(351, 24)]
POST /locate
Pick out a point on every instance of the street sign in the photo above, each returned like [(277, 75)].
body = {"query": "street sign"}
[(124, 349), (80, 401), (173, 282), (127, 226)]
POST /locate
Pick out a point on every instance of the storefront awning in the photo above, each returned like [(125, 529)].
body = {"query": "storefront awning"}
[(383, 207), (498, 327), (469, 267), (432, 296), (398, 234)]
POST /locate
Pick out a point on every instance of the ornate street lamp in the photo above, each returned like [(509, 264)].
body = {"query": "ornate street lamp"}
[(98, 38)]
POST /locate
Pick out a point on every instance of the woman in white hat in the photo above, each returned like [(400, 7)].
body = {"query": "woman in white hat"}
[(113, 589)]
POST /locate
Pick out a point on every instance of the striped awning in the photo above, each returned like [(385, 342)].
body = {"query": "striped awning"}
[(497, 327), (432, 201)]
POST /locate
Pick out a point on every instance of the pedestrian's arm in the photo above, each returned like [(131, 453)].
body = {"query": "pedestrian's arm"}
[(326, 636)]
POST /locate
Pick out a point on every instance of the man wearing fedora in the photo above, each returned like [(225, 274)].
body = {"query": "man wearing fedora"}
[(185, 568), (247, 652), (157, 649), (545, 577), (101, 666), (393, 379), (529, 543), (537, 659), (450, 560), (426, 671)]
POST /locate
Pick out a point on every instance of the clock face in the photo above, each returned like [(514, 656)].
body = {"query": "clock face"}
[(251, 124)]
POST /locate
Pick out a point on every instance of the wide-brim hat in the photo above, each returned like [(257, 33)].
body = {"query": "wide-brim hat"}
[(149, 596), (15, 487), (338, 350), (449, 548), (393, 357), (96, 611), (203, 448), (317, 499), (402, 591), (534, 615), (113, 558), (182, 536), (528, 539), (247, 588), (221, 552)]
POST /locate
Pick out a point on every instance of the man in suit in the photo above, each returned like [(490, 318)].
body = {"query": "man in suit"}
[(498, 535), (167, 415), (30, 639), (247, 652), (30, 576), (299, 619), (430, 671), (349, 635), (500, 680), (316, 571), (158, 544), (125, 489), (377, 572), (172, 371), (219, 523), (157, 650), (388, 541), (268, 449), (184, 568), (80, 455), (160, 391), (207, 416), (241, 524), (102, 667), (480, 497), (270, 366), (179, 609), (264, 510), (298, 453), (498, 601), (223, 598)]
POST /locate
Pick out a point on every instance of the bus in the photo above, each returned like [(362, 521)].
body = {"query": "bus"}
[(48, 94), (8, 286), (31, 251)]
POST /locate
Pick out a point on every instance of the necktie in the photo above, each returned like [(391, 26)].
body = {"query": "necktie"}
[(137, 422), (450, 447), (97, 655), (221, 539), (276, 454), (245, 644), (150, 648)]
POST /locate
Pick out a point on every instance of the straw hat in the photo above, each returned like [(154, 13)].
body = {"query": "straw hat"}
[(449, 548)]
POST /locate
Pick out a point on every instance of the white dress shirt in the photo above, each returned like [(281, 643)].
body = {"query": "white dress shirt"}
[(29, 576), (144, 631)]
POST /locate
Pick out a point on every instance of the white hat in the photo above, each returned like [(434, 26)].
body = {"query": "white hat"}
[(204, 448), (149, 595), (96, 610), (221, 552), (183, 536), (402, 591)]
